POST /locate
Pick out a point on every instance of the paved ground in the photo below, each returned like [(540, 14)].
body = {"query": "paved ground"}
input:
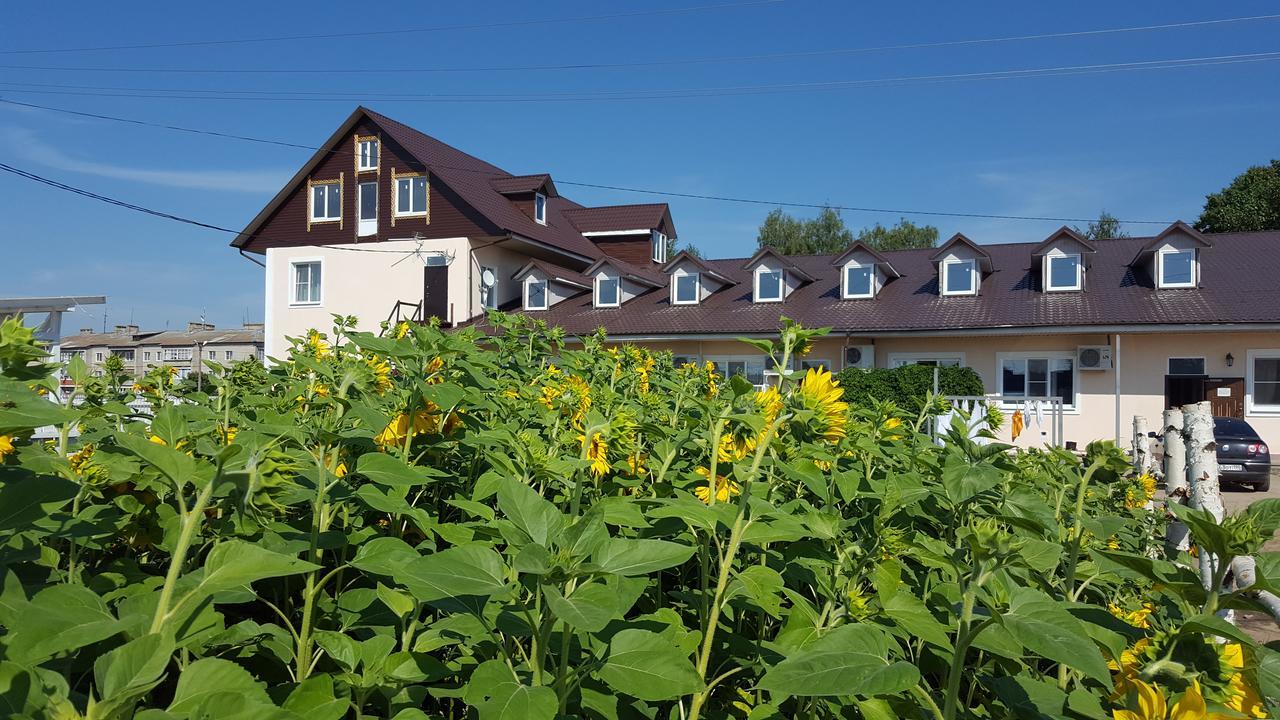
[(1260, 626)]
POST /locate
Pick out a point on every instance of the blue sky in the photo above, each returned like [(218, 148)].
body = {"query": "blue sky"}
[(1144, 145)]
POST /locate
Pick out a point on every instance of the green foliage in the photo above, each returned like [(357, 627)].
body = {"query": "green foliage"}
[(1250, 203), (905, 235), (908, 386), (1106, 227), (788, 235), (431, 524)]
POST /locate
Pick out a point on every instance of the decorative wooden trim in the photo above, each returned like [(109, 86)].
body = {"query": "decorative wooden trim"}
[(395, 177), (341, 199), (356, 155)]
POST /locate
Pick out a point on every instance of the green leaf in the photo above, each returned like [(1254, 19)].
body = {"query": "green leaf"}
[(911, 614), (234, 564), (459, 571), (23, 502), (212, 676), (529, 511), (1030, 698), (1208, 534), (497, 694), (588, 608), (313, 699), (133, 667), (640, 557), (61, 618), (760, 583), (1266, 515), (21, 694), (1268, 671), (646, 665), (1039, 555), (24, 410), (179, 467), (1043, 626), (1215, 626), (390, 470), (961, 479), (384, 556), (849, 660)]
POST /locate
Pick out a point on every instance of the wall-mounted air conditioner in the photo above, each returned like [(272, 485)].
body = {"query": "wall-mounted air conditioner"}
[(1093, 357), (860, 356)]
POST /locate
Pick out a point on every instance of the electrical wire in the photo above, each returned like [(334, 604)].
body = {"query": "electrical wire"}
[(645, 63), (595, 95), (400, 31)]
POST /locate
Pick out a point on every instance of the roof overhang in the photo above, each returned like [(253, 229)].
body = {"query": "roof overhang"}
[(959, 240), (783, 260), (553, 273), (1133, 329), (53, 303), (623, 271), (685, 256), (1177, 227), (859, 246)]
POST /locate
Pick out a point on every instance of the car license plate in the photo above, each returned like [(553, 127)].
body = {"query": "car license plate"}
[(1231, 467)]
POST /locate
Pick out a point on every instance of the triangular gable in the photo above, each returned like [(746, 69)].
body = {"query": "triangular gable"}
[(554, 273), (1176, 228), (626, 270), (685, 256), (984, 257), (859, 246), (783, 260)]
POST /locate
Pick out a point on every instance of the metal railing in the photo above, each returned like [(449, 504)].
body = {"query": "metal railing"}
[(398, 314), (1012, 403)]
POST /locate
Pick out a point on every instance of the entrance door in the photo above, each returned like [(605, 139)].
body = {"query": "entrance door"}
[(1182, 390), (435, 293), (1226, 396), (368, 205)]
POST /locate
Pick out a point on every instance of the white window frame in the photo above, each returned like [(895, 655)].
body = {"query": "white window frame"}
[(124, 354), (293, 282), (944, 276), (1069, 407), (617, 299), (372, 156), (227, 355), (540, 208), (546, 293), (1048, 273), (766, 365), (395, 196), (177, 354), (97, 357), (844, 281), (147, 356), (311, 201), (658, 246), (1168, 368), (1195, 267), (1251, 407), (675, 288), (899, 359), (782, 285), (366, 226)]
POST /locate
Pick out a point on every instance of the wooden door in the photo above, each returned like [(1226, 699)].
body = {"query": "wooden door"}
[(435, 293), (1226, 396)]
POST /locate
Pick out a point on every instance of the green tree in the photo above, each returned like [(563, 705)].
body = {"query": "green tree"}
[(906, 235), (1107, 227), (787, 235), (1250, 203), (691, 249)]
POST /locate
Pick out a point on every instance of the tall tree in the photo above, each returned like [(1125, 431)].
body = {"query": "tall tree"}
[(1250, 203), (905, 235), (787, 235), (1107, 227)]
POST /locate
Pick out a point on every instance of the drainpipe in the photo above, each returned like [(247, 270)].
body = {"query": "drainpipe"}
[(1116, 365)]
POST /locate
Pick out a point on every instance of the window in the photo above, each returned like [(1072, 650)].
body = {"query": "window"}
[(540, 208), (368, 154), (489, 287), (1264, 381), (658, 243), (1176, 268), (411, 195), (897, 360), (368, 208), (858, 281), (768, 285), (750, 367), (146, 355), (227, 356), (535, 295), (607, 292), (68, 354), (1186, 366), (815, 364), (958, 277), (306, 283), (1064, 272), (177, 354), (687, 290), (1038, 375), (326, 202), (682, 360), (124, 354), (97, 357)]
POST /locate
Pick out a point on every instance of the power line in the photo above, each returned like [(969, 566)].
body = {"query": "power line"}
[(401, 31), (595, 95), (644, 63)]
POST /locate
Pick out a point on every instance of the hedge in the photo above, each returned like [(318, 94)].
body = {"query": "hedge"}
[(907, 386)]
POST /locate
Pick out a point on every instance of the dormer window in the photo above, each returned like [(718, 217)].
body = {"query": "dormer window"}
[(687, 289), (859, 281), (326, 201), (1063, 272), (535, 294), (959, 277), (367, 152), (659, 247), (607, 291), (768, 285), (1176, 268), (540, 208)]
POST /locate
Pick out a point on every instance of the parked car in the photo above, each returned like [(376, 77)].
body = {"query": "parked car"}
[(1242, 456)]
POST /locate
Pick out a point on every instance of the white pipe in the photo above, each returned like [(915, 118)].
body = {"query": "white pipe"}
[(1116, 367)]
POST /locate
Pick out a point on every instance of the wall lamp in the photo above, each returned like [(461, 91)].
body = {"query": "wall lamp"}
[(1231, 360)]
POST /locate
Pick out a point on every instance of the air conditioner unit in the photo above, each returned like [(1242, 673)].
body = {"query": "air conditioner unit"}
[(860, 356), (1093, 357)]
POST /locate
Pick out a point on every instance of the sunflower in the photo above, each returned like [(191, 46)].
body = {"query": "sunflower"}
[(402, 329), (735, 446), (822, 394), (725, 488), (394, 434), (1137, 618), (890, 427), (80, 459), (228, 434), (317, 345), (381, 370), (636, 463), (769, 403), (1148, 704), (597, 451), (433, 367), (1242, 697), (6, 446)]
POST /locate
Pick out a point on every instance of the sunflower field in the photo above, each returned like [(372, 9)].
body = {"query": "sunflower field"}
[(431, 524)]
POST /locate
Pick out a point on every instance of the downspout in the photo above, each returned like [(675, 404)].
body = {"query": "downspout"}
[(252, 259), (1117, 369)]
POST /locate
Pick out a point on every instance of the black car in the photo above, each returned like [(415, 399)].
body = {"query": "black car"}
[(1242, 456)]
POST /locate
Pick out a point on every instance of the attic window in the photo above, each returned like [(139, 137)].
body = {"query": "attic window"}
[(411, 195), (958, 277), (687, 289), (1176, 268), (368, 154), (859, 281), (326, 201), (540, 208), (535, 294), (607, 291), (1063, 272), (768, 285), (659, 243)]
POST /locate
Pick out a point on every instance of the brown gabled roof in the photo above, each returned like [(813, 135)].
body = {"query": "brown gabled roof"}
[(984, 257), (1237, 287), (1058, 235), (617, 218), (859, 246), (684, 256), (517, 184), (553, 272), (786, 262)]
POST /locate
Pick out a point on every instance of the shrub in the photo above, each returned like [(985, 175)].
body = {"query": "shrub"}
[(433, 524), (906, 386)]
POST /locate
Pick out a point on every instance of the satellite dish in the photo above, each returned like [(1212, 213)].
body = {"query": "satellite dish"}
[(487, 279)]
